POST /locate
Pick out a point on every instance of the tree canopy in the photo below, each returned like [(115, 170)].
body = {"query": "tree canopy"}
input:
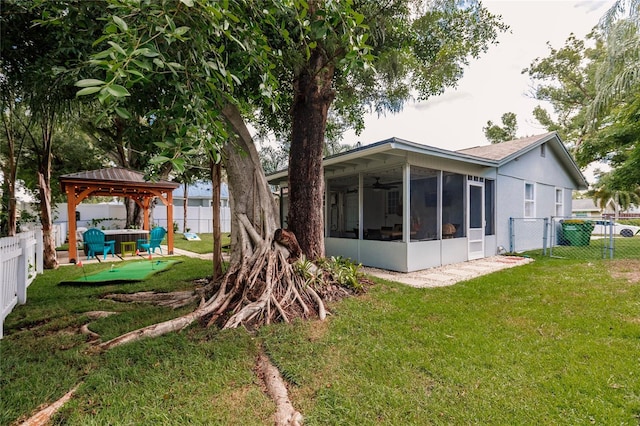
[(496, 133), (592, 86)]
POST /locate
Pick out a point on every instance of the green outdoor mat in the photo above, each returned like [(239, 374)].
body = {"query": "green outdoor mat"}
[(135, 271)]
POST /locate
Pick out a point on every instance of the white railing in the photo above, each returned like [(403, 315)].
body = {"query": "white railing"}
[(20, 262)]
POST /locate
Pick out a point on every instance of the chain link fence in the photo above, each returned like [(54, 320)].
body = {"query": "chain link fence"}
[(528, 234), (575, 238)]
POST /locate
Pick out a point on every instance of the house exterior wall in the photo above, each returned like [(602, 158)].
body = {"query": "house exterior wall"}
[(546, 174), (547, 168), (367, 252), (424, 254), (534, 167)]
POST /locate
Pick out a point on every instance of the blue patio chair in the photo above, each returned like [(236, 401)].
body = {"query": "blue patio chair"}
[(95, 243), (155, 238)]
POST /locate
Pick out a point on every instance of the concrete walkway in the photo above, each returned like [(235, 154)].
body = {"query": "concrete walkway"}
[(442, 276)]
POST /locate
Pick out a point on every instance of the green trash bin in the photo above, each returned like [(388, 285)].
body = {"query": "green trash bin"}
[(577, 233)]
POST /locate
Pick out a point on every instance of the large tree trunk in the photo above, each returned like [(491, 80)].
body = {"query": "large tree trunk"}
[(260, 285), (185, 206), (10, 175), (216, 178), (49, 258), (133, 213), (44, 188), (12, 157), (312, 98)]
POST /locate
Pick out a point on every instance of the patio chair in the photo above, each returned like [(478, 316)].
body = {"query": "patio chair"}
[(94, 241), (374, 234), (155, 238)]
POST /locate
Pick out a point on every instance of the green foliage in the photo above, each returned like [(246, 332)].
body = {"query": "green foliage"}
[(202, 50), (336, 270), (593, 91), (617, 145), (633, 222), (382, 55), (566, 79), (274, 159), (312, 275), (496, 134), (608, 190), (344, 272)]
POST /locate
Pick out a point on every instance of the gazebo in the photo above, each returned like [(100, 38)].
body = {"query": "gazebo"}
[(116, 182)]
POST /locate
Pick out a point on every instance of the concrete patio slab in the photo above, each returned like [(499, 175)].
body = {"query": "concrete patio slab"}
[(449, 274)]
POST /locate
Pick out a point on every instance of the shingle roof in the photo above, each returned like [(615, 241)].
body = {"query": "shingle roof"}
[(503, 150)]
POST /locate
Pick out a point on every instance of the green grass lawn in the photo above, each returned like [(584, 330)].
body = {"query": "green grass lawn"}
[(205, 245), (552, 342)]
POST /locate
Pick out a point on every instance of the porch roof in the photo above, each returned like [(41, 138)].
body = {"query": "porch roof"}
[(385, 150), (494, 155)]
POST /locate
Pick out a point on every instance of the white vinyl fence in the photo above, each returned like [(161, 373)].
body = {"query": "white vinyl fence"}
[(20, 262), (199, 219), (112, 216)]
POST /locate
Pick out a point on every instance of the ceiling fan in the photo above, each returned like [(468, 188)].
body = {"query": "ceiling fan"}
[(386, 186)]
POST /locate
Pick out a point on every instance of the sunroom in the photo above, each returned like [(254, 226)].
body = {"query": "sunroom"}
[(402, 206)]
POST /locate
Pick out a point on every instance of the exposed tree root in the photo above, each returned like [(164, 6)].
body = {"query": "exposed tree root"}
[(94, 315), (173, 300), (92, 336), (43, 416), (286, 414), (261, 289)]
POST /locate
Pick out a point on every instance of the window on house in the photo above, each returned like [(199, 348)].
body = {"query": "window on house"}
[(490, 207), (529, 200), (543, 150), (559, 203), (393, 203)]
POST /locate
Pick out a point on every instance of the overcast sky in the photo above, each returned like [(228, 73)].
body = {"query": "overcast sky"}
[(493, 84)]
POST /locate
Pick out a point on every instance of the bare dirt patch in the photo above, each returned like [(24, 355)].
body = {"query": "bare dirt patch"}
[(627, 269), (317, 330)]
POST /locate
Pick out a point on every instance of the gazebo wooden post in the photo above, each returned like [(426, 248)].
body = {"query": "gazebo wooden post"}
[(145, 204), (71, 213), (170, 221), (115, 181)]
